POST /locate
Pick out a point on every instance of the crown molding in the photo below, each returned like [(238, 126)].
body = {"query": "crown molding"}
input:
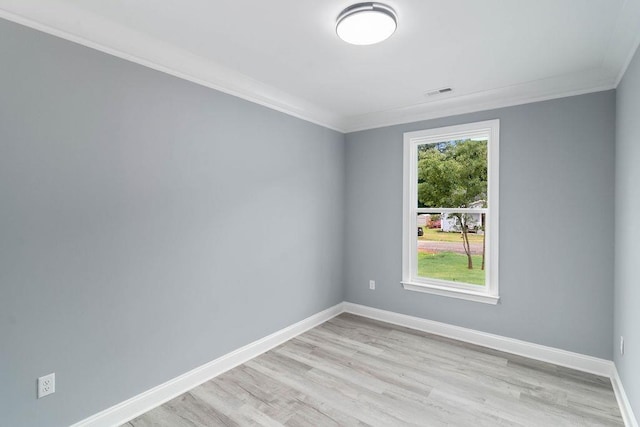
[(535, 91), (62, 19), (624, 41)]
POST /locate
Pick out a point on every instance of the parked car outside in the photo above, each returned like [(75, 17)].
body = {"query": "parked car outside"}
[(434, 223)]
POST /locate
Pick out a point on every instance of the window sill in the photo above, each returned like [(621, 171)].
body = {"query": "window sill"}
[(453, 293)]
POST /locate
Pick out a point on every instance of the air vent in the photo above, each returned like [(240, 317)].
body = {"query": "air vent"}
[(439, 91)]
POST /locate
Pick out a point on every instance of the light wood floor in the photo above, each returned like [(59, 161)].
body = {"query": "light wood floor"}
[(355, 371)]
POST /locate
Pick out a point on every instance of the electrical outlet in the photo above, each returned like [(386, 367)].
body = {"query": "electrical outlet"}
[(372, 284), (621, 345), (46, 385)]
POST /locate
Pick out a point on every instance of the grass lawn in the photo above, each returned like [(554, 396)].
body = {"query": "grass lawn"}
[(450, 266), (441, 236)]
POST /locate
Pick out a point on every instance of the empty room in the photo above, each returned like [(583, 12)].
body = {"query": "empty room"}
[(319, 213)]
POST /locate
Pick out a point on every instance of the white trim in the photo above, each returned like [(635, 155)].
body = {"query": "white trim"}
[(627, 62), (134, 47), (62, 19), (451, 210), (624, 41), (450, 292), (543, 353), (621, 396), (623, 44), (410, 280), (463, 104), (137, 405)]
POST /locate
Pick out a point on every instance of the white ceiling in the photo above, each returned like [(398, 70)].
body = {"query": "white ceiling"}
[(285, 54)]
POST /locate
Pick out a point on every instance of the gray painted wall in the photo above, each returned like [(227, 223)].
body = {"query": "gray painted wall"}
[(627, 287), (557, 171), (147, 226), (142, 215)]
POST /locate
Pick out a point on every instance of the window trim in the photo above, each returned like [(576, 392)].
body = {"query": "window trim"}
[(490, 292)]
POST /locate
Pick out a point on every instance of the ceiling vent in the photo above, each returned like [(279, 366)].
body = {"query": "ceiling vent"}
[(439, 91)]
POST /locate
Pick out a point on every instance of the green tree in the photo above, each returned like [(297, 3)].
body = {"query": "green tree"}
[(454, 175)]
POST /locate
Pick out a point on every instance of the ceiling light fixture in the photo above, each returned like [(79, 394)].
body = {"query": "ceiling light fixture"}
[(366, 23)]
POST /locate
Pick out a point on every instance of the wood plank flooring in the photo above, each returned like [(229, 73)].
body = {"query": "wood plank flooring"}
[(353, 371)]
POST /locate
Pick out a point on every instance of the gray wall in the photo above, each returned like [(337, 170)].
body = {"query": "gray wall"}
[(147, 226), (556, 225), (627, 286)]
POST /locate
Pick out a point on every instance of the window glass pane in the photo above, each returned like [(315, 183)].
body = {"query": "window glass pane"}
[(452, 174), (451, 247)]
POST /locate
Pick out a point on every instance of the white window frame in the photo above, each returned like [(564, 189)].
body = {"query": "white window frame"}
[(410, 280)]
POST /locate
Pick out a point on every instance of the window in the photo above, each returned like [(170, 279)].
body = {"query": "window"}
[(450, 225)]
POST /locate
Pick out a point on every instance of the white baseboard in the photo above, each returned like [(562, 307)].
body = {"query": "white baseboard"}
[(138, 405), (543, 353), (581, 362), (625, 407)]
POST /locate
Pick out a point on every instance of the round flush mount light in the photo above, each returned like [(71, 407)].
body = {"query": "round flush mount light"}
[(366, 23)]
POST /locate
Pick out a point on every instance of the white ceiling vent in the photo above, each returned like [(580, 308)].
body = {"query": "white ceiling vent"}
[(439, 91)]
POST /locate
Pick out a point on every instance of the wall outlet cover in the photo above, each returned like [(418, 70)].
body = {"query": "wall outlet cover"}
[(46, 385)]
